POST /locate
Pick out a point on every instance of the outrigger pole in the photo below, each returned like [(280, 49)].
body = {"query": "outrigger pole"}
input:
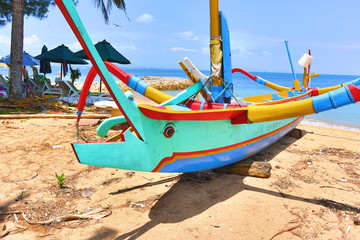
[(296, 81)]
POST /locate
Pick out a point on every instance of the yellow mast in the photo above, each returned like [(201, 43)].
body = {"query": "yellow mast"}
[(214, 19), (215, 43)]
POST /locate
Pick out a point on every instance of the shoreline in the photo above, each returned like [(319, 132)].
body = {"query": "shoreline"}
[(329, 124)]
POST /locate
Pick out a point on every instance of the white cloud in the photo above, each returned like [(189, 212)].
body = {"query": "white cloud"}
[(267, 53), (189, 35), (250, 41), (5, 40), (5, 45), (75, 46), (124, 47), (346, 46), (146, 18), (179, 49), (31, 40), (205, 50), (241, 50)]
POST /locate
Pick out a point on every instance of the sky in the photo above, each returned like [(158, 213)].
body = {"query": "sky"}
[(160, 33)]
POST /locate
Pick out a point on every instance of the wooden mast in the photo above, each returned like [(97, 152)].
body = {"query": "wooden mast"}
[(215, 45), (214, 20)]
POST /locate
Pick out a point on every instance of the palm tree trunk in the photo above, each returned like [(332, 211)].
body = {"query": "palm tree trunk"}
[(17, 46)]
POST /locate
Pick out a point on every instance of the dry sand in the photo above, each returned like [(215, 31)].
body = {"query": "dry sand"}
[(313, 192)]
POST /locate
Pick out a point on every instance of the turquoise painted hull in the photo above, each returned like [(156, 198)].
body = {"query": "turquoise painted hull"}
[(185, 139), (185, 151)]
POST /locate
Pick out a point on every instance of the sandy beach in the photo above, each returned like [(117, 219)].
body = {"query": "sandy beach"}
[(313, 191)]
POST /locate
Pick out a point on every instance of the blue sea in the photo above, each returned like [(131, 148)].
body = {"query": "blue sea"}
[(347, 117)]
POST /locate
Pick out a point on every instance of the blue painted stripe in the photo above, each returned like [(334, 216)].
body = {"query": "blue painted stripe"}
[(260, 80), (231, 156), (333, 99), (291, 94), (222, 93), (216, 90), (179, 108), (227, 67), (137, 84), (355, 82), (349, 94), (276, 96)]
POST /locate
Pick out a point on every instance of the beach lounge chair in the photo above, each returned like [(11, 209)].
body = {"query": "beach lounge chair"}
[(69, 90), (3, 81), (46, 88), (4, 87), (33, 85), (3, 91)]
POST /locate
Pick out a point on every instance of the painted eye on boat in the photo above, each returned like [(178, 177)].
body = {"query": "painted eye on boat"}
[(169, 131)]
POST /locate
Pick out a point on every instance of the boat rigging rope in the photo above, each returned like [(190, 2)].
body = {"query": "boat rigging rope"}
[(232, 94)]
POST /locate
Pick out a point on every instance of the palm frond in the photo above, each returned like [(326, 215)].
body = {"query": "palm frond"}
[(106, 8), (100, 4)]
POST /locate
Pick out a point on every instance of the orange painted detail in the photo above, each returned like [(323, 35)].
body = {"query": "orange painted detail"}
[(176, 156)]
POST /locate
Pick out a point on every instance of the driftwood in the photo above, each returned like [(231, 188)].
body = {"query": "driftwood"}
[(285, 230), (25, 116), (94, 214), (248, 168)]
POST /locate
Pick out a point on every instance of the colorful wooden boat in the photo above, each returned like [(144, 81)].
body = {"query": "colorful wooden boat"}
[(184, 135)]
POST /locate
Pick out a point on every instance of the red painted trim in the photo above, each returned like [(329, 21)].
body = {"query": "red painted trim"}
[(175, 156), (240, 119), (201, 115), (115, 70), (118, 72), (314, 91), (289, 99), (86, 88), (72, 25), (244, 72), (195, 105), (210, 112), (355, 91)]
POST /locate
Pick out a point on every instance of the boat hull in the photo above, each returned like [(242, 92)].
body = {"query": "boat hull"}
[(187, 156)]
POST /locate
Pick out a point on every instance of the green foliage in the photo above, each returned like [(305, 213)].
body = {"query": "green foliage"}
[(60, 179), (106, 8), (74, 74), (34, 8)]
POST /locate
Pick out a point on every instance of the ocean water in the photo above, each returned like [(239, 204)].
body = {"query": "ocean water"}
[(347, 117)]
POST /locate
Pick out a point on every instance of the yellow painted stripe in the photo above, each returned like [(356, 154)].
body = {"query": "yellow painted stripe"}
[(328, 89), (276, 87), (280, 111), (288, 99), (156, 95)]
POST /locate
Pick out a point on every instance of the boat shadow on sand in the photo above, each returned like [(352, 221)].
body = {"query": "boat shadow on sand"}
[(194, 193), (197, 198)]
